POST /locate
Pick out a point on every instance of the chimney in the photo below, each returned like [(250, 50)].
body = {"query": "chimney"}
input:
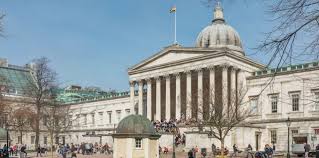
[(3, 62)]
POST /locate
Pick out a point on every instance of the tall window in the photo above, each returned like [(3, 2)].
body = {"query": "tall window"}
[(77, 117), (317, 131), (93, 119), (254, 105), (45, 140), (274, 103), (118, 115), (138, 143), (295, 102), (273, 136), (85, 121), (109, 113), (45, 120), (316, 101), (100, 117), (32, 139)]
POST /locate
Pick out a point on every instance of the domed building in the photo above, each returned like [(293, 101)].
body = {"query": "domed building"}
[(135, 137)]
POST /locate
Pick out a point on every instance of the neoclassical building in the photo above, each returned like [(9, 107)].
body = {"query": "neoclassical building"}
[(175, 82)]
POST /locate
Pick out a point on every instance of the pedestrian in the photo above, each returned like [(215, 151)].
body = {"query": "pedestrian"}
[(235, 149), (307, 149), (190, 154), (213, 149), (39, 151), (23, 150)]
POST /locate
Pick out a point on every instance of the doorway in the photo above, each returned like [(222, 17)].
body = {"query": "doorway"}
[(258, 140)]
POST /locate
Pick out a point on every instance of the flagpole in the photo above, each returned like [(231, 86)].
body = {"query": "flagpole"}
[(175, 41)]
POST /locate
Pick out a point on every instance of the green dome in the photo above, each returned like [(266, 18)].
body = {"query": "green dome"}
[(3, 134), (135, 126)]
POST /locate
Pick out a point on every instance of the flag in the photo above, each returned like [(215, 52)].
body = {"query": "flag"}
[(173, 9)]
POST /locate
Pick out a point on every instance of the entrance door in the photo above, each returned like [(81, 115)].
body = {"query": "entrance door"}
[(257, 139)]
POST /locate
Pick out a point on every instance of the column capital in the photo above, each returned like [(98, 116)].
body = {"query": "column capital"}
[(211, 67), (157, 78), (132, 83), (199, 70), (234, 68), (188, 71), (225, 66), (177, 75), (140, 81), (167, 76), (149, 80)]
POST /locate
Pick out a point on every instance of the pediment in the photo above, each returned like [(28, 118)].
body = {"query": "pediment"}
[(168, 56)]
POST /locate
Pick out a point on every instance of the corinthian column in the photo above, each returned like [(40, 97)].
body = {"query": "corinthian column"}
[(140, 97), (212, 89), (189, 95), (168, 98), (225, 85), (132, 91), (149, 99), (158, 98), (233, 83), (178, 96), (200, 95)]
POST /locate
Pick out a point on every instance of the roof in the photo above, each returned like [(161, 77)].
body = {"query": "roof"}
[(136, 126), (66, 96), (286, 70), (16, 79)]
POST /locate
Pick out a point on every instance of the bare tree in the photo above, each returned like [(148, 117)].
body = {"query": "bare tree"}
[(4, 104), (41, 90), (20, 119), (221, 115), (57, 119), (296, 35)]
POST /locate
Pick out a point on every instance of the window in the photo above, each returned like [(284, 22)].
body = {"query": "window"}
[(100, 117), (118, 115), (85, 121), (273, 136), (295, 102), (45, 120), (57, 141), (254, 105), (317, 131), (77, 119), (138, 143), (110, 116), (93, 119), (128, 111), (316, 101), (294, 131), (19, 139), (274, 103), (45, 140), (32, 139)]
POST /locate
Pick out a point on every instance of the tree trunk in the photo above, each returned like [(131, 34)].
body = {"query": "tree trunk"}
[(222, 147), (37, 127), (51, 143)]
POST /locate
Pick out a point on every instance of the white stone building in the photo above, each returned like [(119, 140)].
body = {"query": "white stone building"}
[(166, 84)]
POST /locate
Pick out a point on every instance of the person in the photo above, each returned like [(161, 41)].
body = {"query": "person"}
[(190, 154), (268, 150), (235, 150), (159, 149), (307, 149), (213, 149), (317, 151), (39, 151), (249, 151), (165, 150), (22, 150)]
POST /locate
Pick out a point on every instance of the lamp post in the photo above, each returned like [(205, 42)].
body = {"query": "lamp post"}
[(288, 125), (174, 133)]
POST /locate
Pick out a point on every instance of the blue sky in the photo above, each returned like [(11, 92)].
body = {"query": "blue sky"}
[(94, 42)]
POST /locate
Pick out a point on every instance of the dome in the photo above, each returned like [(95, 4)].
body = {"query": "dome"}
[(134, 125), (3, 134), (219, 34)]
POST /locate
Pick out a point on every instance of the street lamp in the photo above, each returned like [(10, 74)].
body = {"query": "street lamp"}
[(288, 125), (174, 133)]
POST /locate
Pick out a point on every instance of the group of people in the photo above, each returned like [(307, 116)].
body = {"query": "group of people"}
[(165, 126), (13, 150), (180, 139)]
